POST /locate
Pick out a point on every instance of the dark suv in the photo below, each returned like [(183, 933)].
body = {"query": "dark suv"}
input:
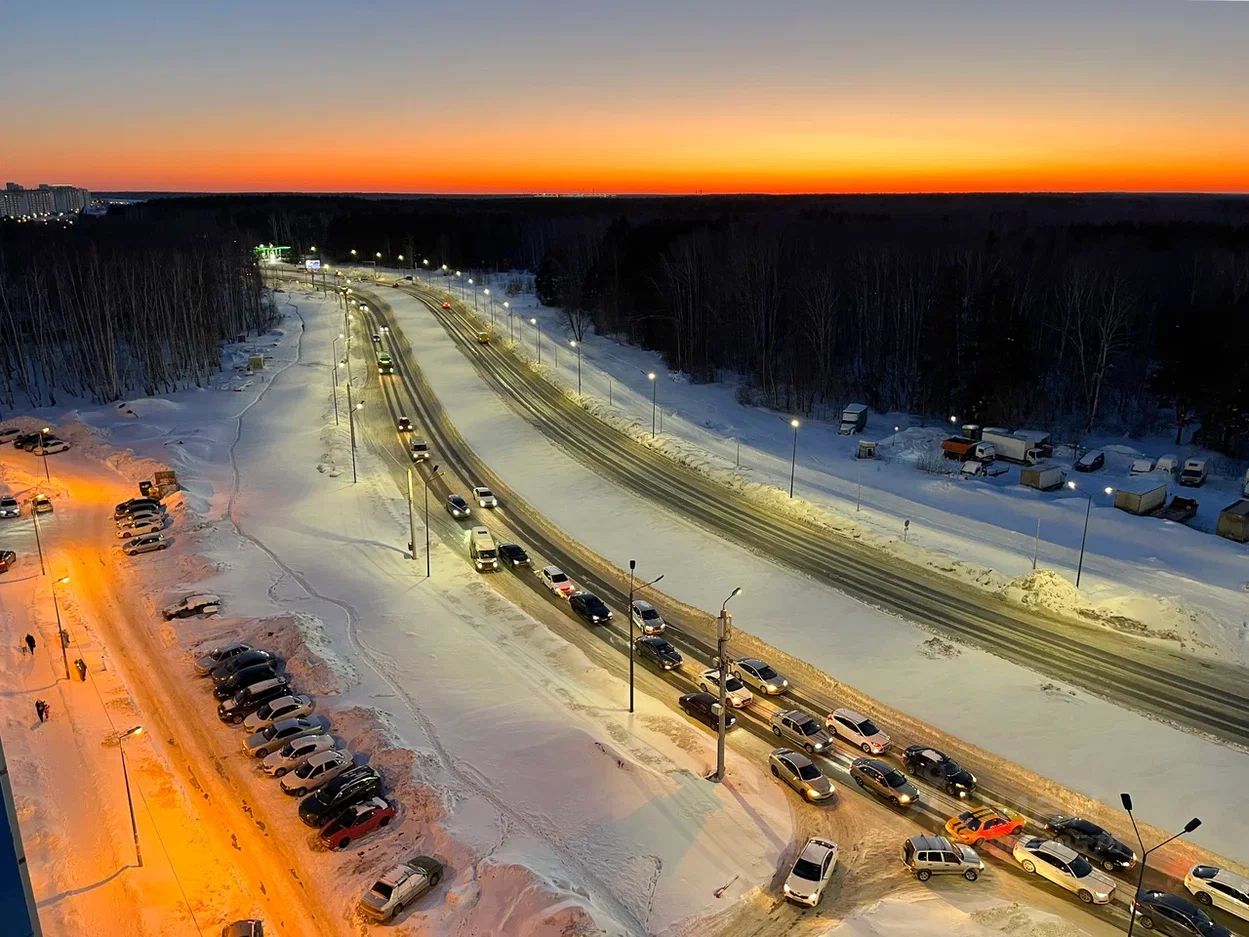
[(1093, 841), (245, 678), (228, 668), (1167, 914), (590, 607), (658, 651), (137, 506), (513, 554), (352, 786), (939, 770), (705, 708)]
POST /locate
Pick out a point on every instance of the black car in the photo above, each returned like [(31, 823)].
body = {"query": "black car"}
[(1167, 914), (1091, 461), (248, 700), (513, 554), (658, 651), (244, 678), (228, 668), (352, 786), (457, 507), (1093, 841), (590, 607), (136, 506), (704, 707), (939, 770), (27, 441)]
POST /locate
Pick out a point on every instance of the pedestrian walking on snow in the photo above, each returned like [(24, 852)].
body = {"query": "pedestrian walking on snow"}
[(41, 710), (82, 669), (30, 642)]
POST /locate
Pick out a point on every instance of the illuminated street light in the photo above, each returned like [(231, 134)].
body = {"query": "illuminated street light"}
[(1140, 873), (1088, 508), (125, 773), (793, 462), (577, 345), (42, 445), (353, 252), (650, 375), (724, 631), (537, 338), (351, 421), (507, 307)]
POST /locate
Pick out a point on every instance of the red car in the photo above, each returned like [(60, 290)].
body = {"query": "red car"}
[(446, 305), (356, 821)]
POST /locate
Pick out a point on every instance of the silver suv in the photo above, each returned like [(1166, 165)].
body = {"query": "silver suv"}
[(803, 729), (927, 856)]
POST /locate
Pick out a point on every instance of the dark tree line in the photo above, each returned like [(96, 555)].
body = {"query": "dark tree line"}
[(1059, 311), (120, 306)]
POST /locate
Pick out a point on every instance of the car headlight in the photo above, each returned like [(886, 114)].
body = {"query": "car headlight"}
[(905, 798), (962, 793), (788, 890)]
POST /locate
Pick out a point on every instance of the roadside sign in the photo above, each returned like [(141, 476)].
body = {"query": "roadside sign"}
[(312, 265)]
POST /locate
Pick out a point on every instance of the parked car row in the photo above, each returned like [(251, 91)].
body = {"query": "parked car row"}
[(38, 443), (141, 523)]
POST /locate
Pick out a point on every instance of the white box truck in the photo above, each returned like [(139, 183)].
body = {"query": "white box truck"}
[(1041, 477), (482, 549), (1141, 495), (853, 419), (1012, 447)]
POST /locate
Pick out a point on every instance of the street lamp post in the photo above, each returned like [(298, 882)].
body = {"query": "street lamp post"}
[(351, 420), (411, 518), (537, 339), (577, 345), (793, 460), (632, 566), (650, 376), (125, 773), (490, 303), (474, 286), (334, 349), (60, 631), (34, 516), (1088, 509), (511, 336), (42, 443), (1140, 874), (724, 631)]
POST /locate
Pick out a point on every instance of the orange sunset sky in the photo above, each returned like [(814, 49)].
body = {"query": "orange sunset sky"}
[(642, 97)]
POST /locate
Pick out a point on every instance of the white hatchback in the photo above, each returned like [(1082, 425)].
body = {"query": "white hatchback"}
[(811, 872), (557, 581), (320, 769), (295, 753), (858, 730), (734, 690)]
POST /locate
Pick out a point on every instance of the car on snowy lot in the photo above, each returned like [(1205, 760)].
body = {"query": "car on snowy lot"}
[(800, 773), (734, 690), (199, 603), (249, 928), (759, 676), (350, 787), (803, 729), (975, 826), (8, 434), (485, 497), (50, 445), (145, 515), (207, 663), (927, 856), (1090, 839), (243, 679), (271, 738), (247, 700), (706, 709), (142, 525), (26, 441), (658, 651), (939, 770), (1064, 867), (1172, 915), (41, 504), (1091, 461), (557, 581), (589, 607), (401, 885), (1221, 888), (457, 507), (356, 822), (858, 730), (514, 555), (812, 871), (7, 559), (137, 506), (9, 507), (148, 543), (295, 753), (279, 709), (404, 425), (320, 769), (885, 781), (646, 617), (249, 658)]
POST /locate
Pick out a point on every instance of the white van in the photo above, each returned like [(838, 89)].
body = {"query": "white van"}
[(419, 450), (1141, 466), (1194, 474), (1169, 464), (482, 549)]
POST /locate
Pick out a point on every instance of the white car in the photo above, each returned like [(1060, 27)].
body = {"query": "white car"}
[(734, 690), (1212, 886), (858, 730), (148, 543), (1064, 867), (50, 446), (811, 872), (485, 497), (9, 507), (646, 618), (141, 519), (320, 769), (755, 673), (284, 707), (557, 581), (295, 753), (400, 886), (151, 524)]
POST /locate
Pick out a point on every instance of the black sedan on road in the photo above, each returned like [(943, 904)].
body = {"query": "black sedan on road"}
[(1168, 914), (1093, 841), (590, 607), (513, 554), (939, 770), (658, 651), (706, 709)]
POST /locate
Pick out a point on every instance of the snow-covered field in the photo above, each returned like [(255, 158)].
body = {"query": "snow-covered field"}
[(1181, 583), (1059, 732)]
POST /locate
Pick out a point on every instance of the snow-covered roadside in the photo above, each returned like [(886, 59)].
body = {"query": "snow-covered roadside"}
[(547, 800), (998, 706), (1141, 575)]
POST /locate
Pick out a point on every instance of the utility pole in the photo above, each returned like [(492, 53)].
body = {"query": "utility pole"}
[(629, 613), (351, 420), (60, 631), (724, 631), (34, 516), (411, 519), (134, 827)]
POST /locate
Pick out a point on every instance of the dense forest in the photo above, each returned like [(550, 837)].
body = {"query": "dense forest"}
[(1063, 312), (119, 306)]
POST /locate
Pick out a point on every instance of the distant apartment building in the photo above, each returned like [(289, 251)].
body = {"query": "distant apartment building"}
[(16, 201)]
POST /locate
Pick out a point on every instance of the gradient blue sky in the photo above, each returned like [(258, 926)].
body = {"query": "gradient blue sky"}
[(563, 96)]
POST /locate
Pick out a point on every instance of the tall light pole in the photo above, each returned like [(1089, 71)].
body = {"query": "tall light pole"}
[(793, 460), (474, 286), (411, 517), (34, 516), (125, 773), (1140, 874), (457, 276), (724, 631), (577, 345), (511, 336), (537, 338), (632, 566), (334, 349), (351, 420), (42, 443), (490, 303), (60, 631), (1088, 509), (650, 375)]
